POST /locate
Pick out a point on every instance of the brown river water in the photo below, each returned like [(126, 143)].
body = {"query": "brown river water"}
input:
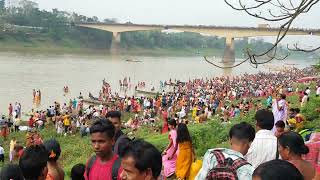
[(20, 73)]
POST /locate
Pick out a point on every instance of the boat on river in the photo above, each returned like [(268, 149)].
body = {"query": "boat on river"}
[(95, 101), (131, 60), (146, 93), (175, 84)]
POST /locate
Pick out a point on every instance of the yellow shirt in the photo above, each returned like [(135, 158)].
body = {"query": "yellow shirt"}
[(194, 112), (12, 144), (66, 120)]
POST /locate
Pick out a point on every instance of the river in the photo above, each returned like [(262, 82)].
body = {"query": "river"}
[(20, 73)]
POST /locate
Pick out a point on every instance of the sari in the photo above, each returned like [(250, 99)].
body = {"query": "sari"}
[(165, 126), (279, 115), (169, 166), (184, 160)]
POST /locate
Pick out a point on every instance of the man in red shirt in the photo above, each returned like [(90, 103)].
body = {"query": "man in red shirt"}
[(105, 165)]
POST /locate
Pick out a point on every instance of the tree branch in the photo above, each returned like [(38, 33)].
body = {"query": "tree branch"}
[(287, 14), (297, 48)]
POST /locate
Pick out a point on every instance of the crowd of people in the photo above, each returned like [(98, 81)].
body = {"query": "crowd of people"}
[(252, 150), (254, 153)]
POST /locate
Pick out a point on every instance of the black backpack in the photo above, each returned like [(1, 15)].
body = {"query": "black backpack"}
[(115, 167)]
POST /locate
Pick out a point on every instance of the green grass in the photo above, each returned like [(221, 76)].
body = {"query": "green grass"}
[(211, 134), (74, 148), (43, 42)]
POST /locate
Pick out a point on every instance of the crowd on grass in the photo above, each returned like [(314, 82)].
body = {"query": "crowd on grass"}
[(273, 149), (254, 153)]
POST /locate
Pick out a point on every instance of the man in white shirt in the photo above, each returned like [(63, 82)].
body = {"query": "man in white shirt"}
[(318, 91), (264, 146), (1, 154), (308, 91)]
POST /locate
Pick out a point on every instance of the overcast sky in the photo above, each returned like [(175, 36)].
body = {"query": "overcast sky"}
[(191, 12)]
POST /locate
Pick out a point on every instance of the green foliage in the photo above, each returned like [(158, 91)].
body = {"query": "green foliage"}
[(74, 149), (317, 66), (58, 25), (157, 39), (2, 6), (311, 114), (211, 134), (58, 28)]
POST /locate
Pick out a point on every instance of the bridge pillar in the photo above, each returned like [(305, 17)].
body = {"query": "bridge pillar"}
[(115, 43), (228, 56)]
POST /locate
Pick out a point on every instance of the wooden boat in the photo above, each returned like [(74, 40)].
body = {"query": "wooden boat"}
[(97, 102), (146, 93), (131, 60), (175, 84), (290, 64)]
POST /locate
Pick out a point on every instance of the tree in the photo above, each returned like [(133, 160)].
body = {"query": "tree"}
[(77, 18), (2, 6), (110, 21), (28, 6), (283, 11), (95, 19)]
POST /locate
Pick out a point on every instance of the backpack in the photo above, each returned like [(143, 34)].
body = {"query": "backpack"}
[(115, 167), (226, 168)]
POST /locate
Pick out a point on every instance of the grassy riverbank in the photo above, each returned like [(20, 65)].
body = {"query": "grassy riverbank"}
[(209, 135), (60, 49), (43, 44), (56, 49)]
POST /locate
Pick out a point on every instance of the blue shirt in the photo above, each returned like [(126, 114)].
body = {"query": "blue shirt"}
[(236, 112)]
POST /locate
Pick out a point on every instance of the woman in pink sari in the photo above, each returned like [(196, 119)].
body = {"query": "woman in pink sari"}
[(170, 153)]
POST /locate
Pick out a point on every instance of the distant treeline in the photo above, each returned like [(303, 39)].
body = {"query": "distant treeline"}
[(25, 22)]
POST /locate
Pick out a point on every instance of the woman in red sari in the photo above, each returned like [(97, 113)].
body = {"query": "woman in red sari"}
[(4, 131), (165, 127)]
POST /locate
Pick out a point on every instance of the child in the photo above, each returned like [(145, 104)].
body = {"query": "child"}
[(280, 125), (77, 172), (59, 125)]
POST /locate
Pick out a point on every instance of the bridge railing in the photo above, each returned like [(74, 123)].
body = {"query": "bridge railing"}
[(202, 26)]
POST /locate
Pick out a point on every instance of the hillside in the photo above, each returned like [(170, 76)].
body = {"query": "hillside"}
[(208, 135)]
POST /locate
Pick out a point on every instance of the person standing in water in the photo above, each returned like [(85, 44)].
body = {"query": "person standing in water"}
[(10, 108), (34, 95)]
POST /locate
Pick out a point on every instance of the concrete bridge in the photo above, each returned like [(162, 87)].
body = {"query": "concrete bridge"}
[(228, 32)]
